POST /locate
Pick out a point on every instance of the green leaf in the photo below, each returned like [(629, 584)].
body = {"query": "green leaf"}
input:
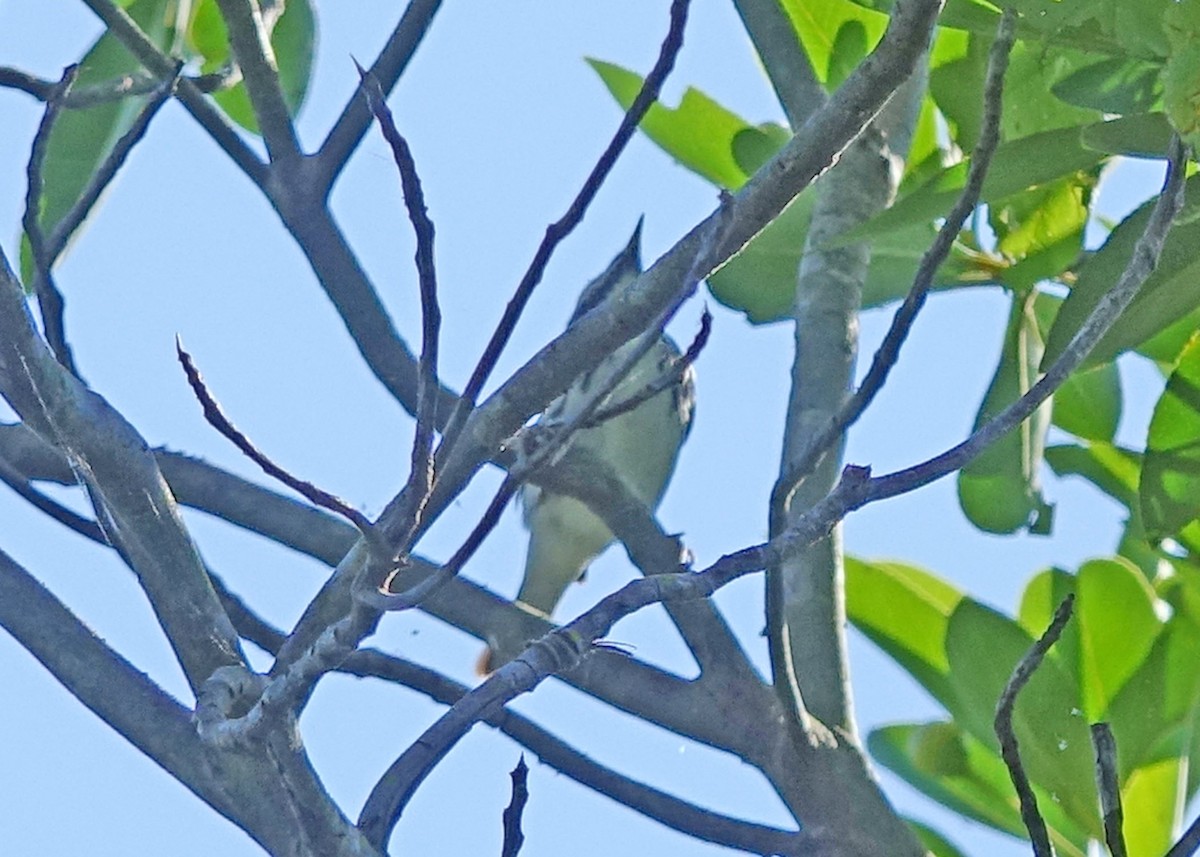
[(1088, 404), (933, 841), (1172, 291), (1151, 799), (983, 647), (699, 133), (818, 26), (1170, 486), (1120, 85), (761, 280), (960, 773), (1111, 595), (1144, 135), (1030, 106), (932, 758), (1153, 716), (999, 491), (1113, 470), (293, 41), (1017, 165), (904, 610), (81, 139), (849, 48)]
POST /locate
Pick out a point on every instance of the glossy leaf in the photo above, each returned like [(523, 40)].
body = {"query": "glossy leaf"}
[(1151, 799), (699, 133), (905, 612), (999, 491), (1145, 135), (983, 647), (1113, 470), (963, 775), (1089, 403), (1170, 486), (1114, 613), (1170, 292), (1042, 596), (1119, 85)]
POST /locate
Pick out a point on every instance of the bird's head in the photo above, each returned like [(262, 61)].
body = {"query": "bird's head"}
[(625, 267)]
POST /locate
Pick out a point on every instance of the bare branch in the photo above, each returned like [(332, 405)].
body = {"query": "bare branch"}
[(250, 42), (783, 58), (350, 127), (1021, 675), (421, 476), (83, 97), (1108, 785), (889, 350), (125, 29), (131, 499), (50, 300), (513, 837), (563, 227), (217, 419)]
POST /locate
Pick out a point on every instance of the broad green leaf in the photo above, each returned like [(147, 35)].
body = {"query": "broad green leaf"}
[(957, 89), (1088, 404), (1165, 346), (761, 280), (999, 490), (904, 611), (932, 758), (1119, 85), (1017, 165), (963, 775), (1030, 106), (81, 139), (1181, 77), (818, 26), (293, 41), (1040, 230), (1152, 799), (1114, 613), (1113, 470), (699, 133), (983, 647), (1042, 596), (848, 49), (1144, 135), (1153, 716), (1172, 291), (1170, 486)]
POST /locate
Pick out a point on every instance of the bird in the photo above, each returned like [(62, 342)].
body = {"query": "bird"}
[(641, 446)]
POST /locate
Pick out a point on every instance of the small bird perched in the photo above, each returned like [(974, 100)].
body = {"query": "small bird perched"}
[(640, 446)]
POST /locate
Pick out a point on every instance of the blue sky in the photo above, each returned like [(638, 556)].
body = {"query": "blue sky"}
[(505, 119)]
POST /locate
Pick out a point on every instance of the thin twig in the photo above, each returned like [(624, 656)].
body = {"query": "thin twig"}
[(23, 487), (889, 350), (1189, 843), (380, 598), (421, 476), (107, 170), (513, 837), (1109, 787), (50, 299), (561, 228), (127, 31), (1141, 264), (217, 419), (126, 86), (1026, 667), (250, 43), (671, 377), (352, 124)]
